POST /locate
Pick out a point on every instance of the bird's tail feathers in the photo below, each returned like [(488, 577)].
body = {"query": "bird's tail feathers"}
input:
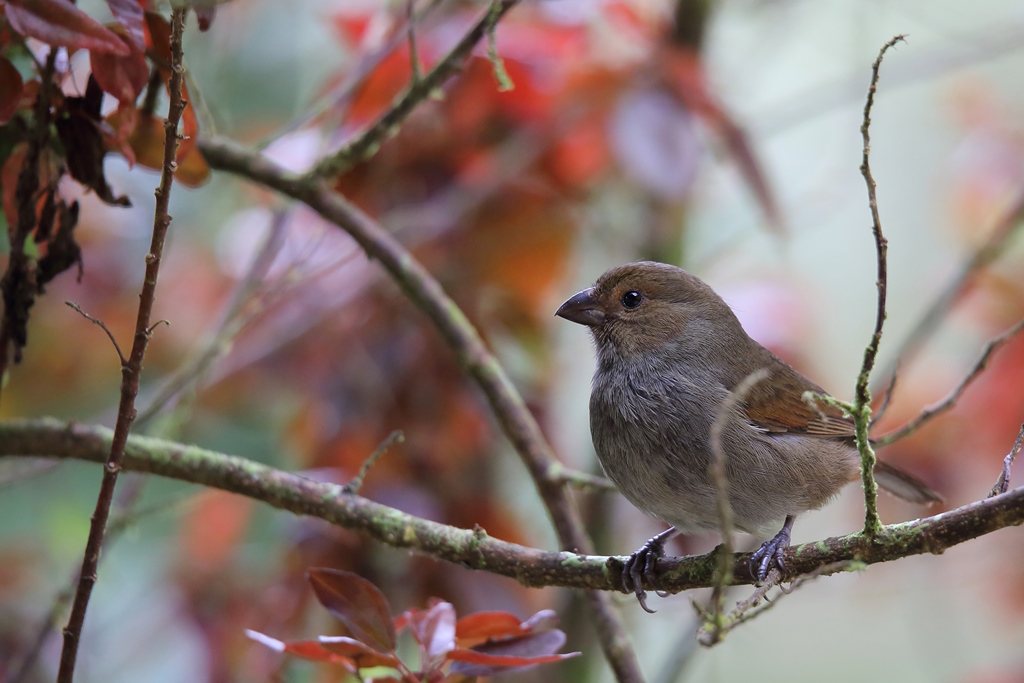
[(905, 486)]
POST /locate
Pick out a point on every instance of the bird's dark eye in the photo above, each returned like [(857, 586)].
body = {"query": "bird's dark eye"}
[(632, 299)]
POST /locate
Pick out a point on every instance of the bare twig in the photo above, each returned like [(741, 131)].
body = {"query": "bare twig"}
[(715, 622), (862, 398), (1003, 482), (133, 368), (497, 65), (366, 144), (102, 325), (357, 481), (475, 549), (749, 609), (581, 480), (473, 355), (886, 399), (414, 55), (158, 323), (950, 400)]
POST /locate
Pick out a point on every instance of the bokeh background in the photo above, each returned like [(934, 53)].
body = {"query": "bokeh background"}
[(720, 136)]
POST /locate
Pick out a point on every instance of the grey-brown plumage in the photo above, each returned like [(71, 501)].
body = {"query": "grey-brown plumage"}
[(670, 351)]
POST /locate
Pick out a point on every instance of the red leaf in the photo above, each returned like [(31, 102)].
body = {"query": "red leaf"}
[(144, 137), (488, 625), (123, 77), (58, 22), (360, 606), (362, 654), (484, 625), (307, 649), (159, 31), (11, 86), (129, 14), (193, 170), (434, 630), (493, 657)]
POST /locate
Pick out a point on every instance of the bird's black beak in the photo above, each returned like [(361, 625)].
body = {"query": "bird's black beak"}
[(582, 308)]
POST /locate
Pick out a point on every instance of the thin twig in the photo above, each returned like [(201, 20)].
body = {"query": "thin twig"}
[(580, 480), (475, 549), (414, 55), (102, 325), (715, 623), (497, 65), (158, 323), (477, 361), (1003, 482), (883, 407), (357, 481), (751, 608), (862, 397), (133, 368), (366, 144), (951, 399)]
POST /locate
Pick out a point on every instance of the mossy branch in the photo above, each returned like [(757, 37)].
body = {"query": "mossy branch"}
[(131, 367), (474, 548), (860, 410)]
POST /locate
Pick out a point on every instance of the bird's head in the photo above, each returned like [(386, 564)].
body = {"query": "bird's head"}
[(643, 307)]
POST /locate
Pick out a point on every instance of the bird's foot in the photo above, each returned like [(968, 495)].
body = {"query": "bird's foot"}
[(769, 555), (639, 568)]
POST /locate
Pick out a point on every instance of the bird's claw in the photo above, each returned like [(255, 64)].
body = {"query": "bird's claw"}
[(639, 568), (769, 555)]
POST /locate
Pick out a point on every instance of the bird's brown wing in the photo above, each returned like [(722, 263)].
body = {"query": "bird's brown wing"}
[(777, 405)]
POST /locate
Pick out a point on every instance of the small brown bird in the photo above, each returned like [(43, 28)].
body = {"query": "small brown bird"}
[(669, 352)]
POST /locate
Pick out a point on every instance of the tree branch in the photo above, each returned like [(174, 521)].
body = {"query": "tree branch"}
[(861, 412), (132, 368), (474, 548)]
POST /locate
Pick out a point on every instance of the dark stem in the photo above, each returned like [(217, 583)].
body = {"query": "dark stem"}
[(102, 325), (357, 481), (131, 370)]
